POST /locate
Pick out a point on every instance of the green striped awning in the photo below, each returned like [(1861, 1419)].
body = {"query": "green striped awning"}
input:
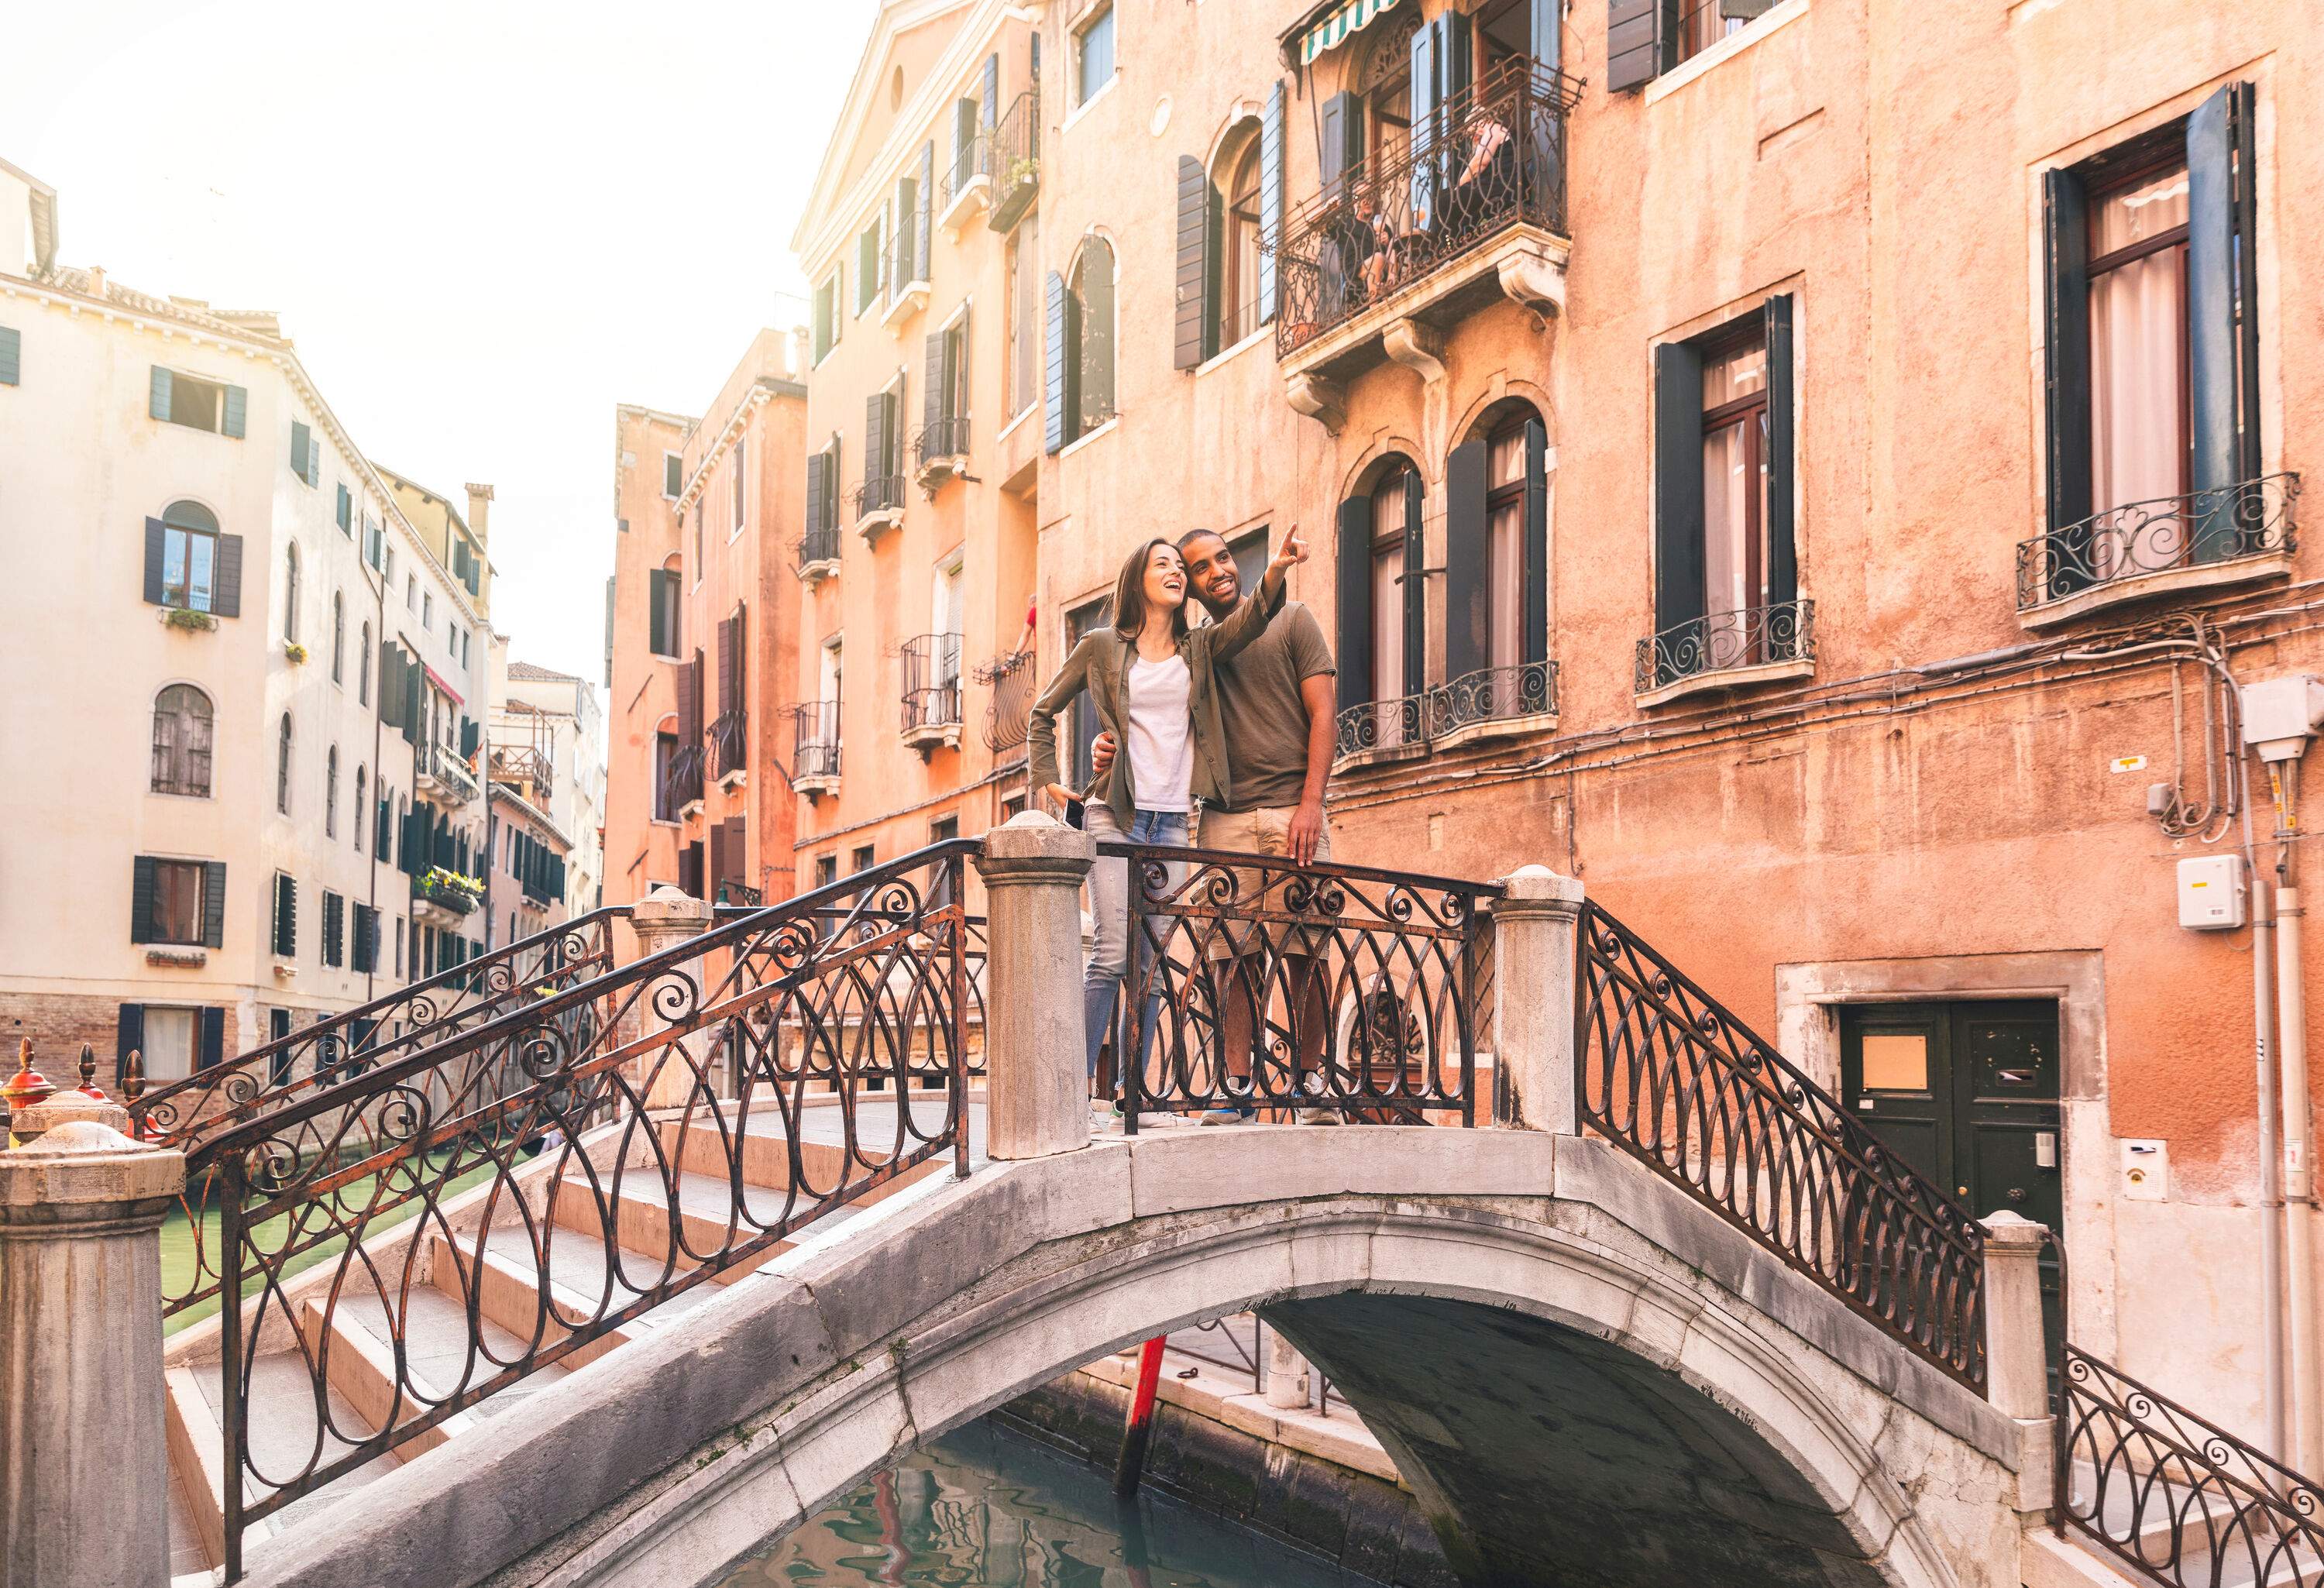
[(1341, 22)]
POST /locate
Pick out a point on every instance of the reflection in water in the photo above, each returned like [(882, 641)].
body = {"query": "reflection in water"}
[(984, 1508)]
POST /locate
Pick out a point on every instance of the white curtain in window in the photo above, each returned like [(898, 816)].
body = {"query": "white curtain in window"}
[(169, 1044), (2138, 375), (1388, 596)]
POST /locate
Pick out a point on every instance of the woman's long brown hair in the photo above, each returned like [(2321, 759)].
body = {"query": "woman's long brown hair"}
[(1129, 594)]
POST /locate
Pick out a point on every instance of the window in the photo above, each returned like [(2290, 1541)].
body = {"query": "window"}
[(331, 792), (870, 263), (178, 902), (363, 669), (665, 761), (1392, 523), (698, 562), (339, 637), (365, 959), (402, 925), (1387, 132), (1381, 608), (863, 859), (1093, 56), (1080, 344), (182, 725), (196, 404), (12, 355), (673, 475), (1239, 296), (827, 870), (1726, 577), (190, 547), (827, 319), (306, 456), (1024, 317), (167, 1042), (427, 610), (283, 768), (1646, 38), (387, 569), (411, 591), (362, 814)]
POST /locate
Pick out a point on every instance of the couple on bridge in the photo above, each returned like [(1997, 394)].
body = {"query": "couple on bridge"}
[(1219, 734)]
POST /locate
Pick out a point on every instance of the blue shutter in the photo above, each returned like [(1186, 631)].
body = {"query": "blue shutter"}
[(302, 451), (346, 512), (921, 223), (156, 551), (1270, 197), (1058, 396), (12, 355), (2222, 341), (1424, 100), (159, 404), (1192, 341), (237, 404)]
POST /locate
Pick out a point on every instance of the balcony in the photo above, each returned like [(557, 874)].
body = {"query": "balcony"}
[(1379, 732), (681, 785), (730, 749), (2235, 534), (1491, 702), (815, 748), (1387, 258), (940, 452), (818, 556), (1727, 651), (1014, 164), (932, 693), (442, 897), (440, 775), (1009, 718), (878, 504), (967, 185)]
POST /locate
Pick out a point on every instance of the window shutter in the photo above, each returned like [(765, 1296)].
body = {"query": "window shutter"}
[(1468, 563), (932, 387), (1058, 396), (2222, 330), (1782, 558), (1270, 197), (141, 900), (415, 702), (214, 904), (156, 553), (1415, 584), (1193, 283), (1425, 101), (286, 916), (735, 850), (471, 735), (237, 405), (1453, 40), (920, 226), (157, 404), (955, 402), (725, 665), (875, 438), (718, 851), (390, 686), (2066, 380), (300, 442), (226, 579), (991, 106), (1340, 124), (689, 734), (1547, 23), (406, 844), (657, 612), (1678, 485), (12, 355), (128, 1037), (346, 512), (1536, 600), (383, 847), (1633, 43), (213, 1037), (818, 494), (1355, 602)]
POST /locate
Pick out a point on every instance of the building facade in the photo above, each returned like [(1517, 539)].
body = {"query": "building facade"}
[(548, 739), (1811, 498), (229, 797)]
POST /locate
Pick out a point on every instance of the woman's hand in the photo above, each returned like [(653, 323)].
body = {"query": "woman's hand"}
[(1062, 795), (1293, 550)]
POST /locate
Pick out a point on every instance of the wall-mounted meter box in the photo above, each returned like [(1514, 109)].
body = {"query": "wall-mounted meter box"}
[(2211, 892)]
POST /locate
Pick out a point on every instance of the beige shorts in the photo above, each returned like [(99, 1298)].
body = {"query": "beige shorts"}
[(1266, 830)]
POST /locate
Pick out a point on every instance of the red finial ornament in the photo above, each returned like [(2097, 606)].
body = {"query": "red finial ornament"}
[(27, 1085), (88, 1086)]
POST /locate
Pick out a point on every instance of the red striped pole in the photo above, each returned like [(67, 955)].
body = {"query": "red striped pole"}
[(1140, 1427)]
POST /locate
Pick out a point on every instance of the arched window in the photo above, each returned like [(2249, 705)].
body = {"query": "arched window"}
[(1382, 640), (1497, 570), (283, 768), (190, 557), (290, 592), (331, 793), (1239, 309), (1092, 290), (339, 637), (362, 810), (1395, 552), (1388, 95), (363, 668), (181, 740)]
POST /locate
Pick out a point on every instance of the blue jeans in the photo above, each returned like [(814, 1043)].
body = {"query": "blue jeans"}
[(1109, 961)]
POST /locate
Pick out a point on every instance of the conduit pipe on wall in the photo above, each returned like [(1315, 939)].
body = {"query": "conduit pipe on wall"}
[(2299, 1172), (2271, 1178)]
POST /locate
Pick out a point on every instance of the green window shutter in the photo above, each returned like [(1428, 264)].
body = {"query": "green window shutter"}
[(214, 905), (301, 450), (237, 406), (225, 579), (213, 1038), (1415, 584), (1059, 399), (471, 734), (1783, 560), (346, 512), (141, 900), (156, 539), (1535, 571), (1468, 563), (2222, 326), (12, 355), (159, 403), (2066, 375), (128, 1037), (286, 916), (1355, 602), (1679, 588), (818, 491), (658, 636), (1191, 336)]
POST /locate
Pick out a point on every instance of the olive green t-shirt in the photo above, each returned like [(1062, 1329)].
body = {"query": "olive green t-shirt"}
[(1261, 711)]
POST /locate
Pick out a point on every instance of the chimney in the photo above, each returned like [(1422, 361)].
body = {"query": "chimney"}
[(480, 508)]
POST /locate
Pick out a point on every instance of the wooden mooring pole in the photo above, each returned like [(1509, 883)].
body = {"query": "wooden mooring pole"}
[(1140, 1427)]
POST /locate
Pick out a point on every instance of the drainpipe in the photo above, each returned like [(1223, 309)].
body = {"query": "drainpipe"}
[(2299, 1174), (2271, 1179)]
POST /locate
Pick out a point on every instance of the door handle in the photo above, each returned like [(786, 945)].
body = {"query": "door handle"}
[(2018, 1077)]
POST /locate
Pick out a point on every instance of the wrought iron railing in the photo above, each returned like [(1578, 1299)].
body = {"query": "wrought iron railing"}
[(819, 546), (567, 1150), (731, 893), (1492, 158), (1669, 1075), (730, 742), (2173, 1493), (1015, 154), (945, 440), (2252, 519), (681, 783), (971, 160), (1749, 636), (1261, 983), (931, 682), (1384, 724), (1008, 718), (1492, 693), (878, 493), (815, 740), (443, 764)]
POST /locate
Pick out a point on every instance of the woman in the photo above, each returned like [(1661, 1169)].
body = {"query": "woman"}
[(1149, 676)]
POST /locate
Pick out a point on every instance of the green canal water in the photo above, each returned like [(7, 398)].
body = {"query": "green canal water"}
[(988, 1507)]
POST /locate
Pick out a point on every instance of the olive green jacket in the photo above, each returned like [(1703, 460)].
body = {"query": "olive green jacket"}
[(1100, 664)]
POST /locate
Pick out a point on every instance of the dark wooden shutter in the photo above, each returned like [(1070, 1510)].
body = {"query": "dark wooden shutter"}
[(1270, 197), (141, 900), (2222, 344), (471, 735), (213, 1038), (955, 404), (875, 437), (2066, 376), (932, 391), (1191, 336), (226, 579), (286, 916), (415, 701), (301, 452), (923, 225), (128, 1037), (657, 612), (1059, 396), (391, 684), (237, 408), (347, 516), (1782, 559), (736, 848), (991, 105), (12, 355), (1535, 601), (1456, 43), (1355, 602), (726, 650), (1415, 584), (1468, 563), (214, 904), (158, 395), (687, 736), (818, 501), (1339, 130), (1633, 43), (157, 537), (1678, 485)]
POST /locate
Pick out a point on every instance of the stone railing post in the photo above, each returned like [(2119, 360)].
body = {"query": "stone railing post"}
[(1534, 923), (2016, 1350), (664, 918), (1288, 1384), (1037, 1081), (84, 1454)]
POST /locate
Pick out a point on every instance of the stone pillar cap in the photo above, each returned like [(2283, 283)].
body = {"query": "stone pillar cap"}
[(2005, 1228), (668, 907), (1032, 845), (35, 1118), (1537, 885), (83, 1161)]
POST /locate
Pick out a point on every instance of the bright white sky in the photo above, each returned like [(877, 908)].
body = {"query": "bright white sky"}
[(484, 223)]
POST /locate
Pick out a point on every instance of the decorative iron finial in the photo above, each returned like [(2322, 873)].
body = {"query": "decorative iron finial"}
[(27, 1085), (88, 1073), (132, 1076)]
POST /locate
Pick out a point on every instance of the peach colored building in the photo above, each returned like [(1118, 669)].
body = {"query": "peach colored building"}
[(1798, 470), (701, 653)]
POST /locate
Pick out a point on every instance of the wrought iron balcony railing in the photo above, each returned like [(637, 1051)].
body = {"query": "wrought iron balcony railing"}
[(878, 493), (932, 682), (2251, 519), (819, 546), (443, 764), (935, 444), (815, 740), (1492, 693), (1749, 636), (1492, 158), (682, 780), (729, 748), (1015, 155), (1009, 718), (1384, 724), (971, 161)]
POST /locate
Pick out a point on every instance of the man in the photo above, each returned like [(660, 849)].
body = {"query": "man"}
[(1277, 709)]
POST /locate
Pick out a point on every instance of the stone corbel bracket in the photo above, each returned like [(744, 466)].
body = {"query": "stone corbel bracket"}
[(1319, 398), (1416, 346), (1534, 276)]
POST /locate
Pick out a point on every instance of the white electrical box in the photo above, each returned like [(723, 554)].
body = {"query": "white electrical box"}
[(2145, 1170), (2280, 714), (2211, 892)]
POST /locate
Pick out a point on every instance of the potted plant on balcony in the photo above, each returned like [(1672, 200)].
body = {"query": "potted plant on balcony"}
[(296, 652), (189, 619)]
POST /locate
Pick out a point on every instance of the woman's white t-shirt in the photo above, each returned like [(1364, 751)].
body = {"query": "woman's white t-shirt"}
[(1161, 739)]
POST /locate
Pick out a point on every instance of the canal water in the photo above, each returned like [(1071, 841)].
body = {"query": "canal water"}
[(989, 1508)]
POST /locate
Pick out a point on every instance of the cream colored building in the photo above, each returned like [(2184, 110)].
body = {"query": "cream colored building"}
[(547, 740), (218, 621)]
